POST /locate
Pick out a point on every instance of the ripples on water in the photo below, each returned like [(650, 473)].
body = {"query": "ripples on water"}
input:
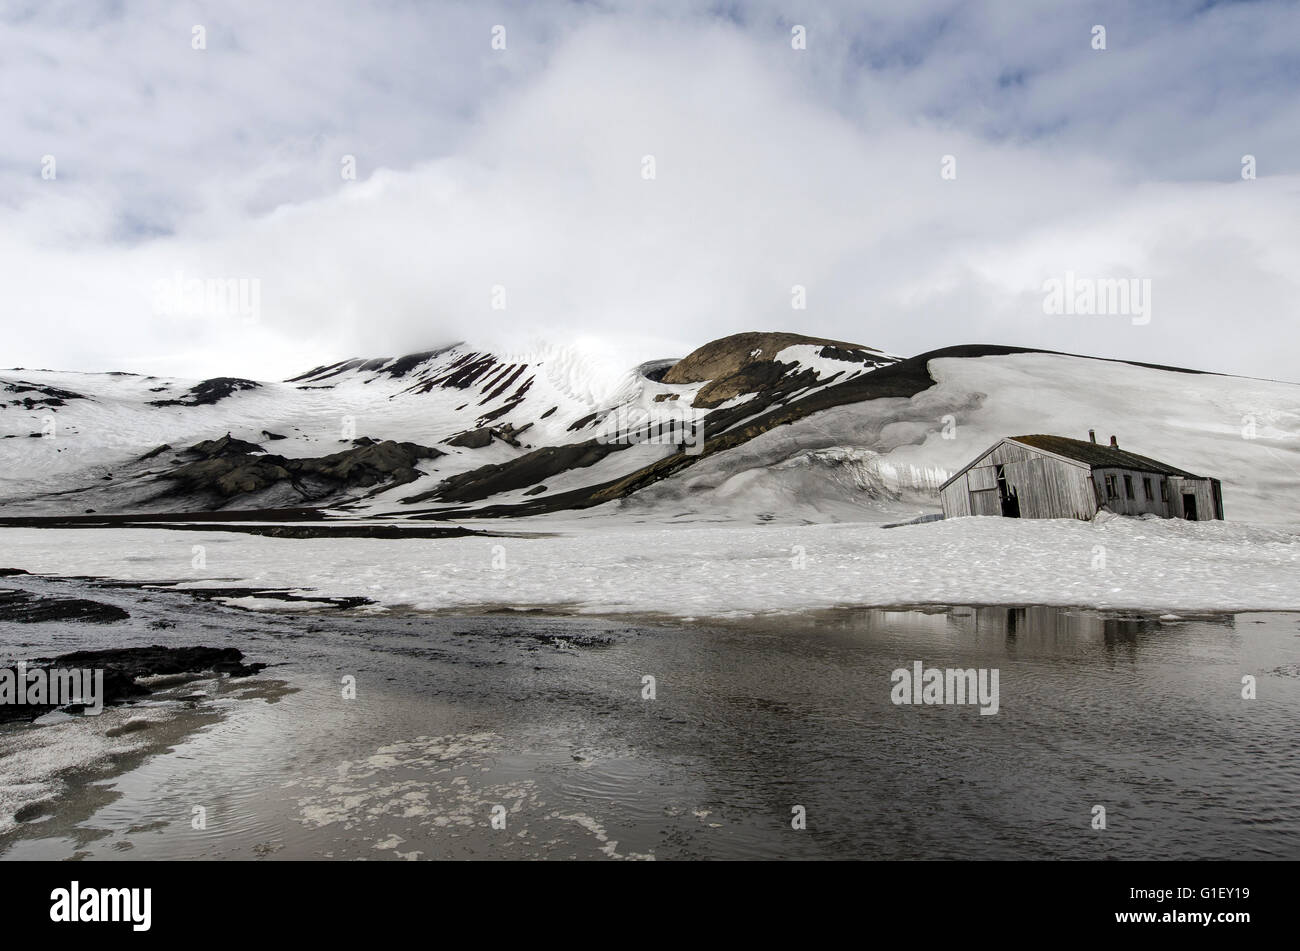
[(456, 716)]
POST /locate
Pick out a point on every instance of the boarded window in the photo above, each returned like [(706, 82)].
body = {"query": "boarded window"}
[(985, 502), (1128, 487), (981, 478)]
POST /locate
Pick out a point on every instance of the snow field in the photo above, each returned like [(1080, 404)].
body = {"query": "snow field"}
[(722, 570)]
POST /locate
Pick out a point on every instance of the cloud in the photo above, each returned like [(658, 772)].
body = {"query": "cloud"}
[(520, 175)]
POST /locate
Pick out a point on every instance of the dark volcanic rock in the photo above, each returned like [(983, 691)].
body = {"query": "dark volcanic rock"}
[(510, 433), (464, 372), (404, 365), (395, 367), (155, 660), (368, 465), (210, 391), (904, 378), (527, 470), (122, 666), (340, 530), (227, 445), (471, 438), (585, 421), (228, 471), (729, 355), (230, 475), (832, 352), (320, 373), (483, 436), (752, 378), (26, 608), (46, 395), (745, 363)]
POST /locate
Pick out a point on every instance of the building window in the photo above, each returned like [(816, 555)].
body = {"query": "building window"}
[(1128, 487), (1146, 487), (1111, 491), (1164, 491)]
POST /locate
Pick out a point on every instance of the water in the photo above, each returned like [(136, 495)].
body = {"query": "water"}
[(543, 720)]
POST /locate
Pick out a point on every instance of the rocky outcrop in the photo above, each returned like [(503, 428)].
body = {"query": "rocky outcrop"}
[(482, 437), (752, 378), (123, 668), (24, 608), (724, 429), (519, 473), (746, 363), (730, 355), (226, 468), (227, 445), (210, 391), (44, 396), (472, 438)]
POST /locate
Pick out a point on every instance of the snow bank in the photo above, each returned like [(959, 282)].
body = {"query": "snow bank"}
[(718, 570), (1243, 431)]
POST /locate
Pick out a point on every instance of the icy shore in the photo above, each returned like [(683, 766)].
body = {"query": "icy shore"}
[(719, 570)]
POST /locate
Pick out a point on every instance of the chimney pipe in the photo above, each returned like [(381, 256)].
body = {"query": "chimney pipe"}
[(1092, 435), (1114, 443)]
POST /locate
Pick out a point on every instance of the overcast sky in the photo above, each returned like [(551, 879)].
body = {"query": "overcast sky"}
[(134, 162)]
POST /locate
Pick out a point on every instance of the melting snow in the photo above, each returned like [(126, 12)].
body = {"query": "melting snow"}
[(603, 566)]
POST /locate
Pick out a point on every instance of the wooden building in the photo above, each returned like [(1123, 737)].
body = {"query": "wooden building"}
[(1057, 477)]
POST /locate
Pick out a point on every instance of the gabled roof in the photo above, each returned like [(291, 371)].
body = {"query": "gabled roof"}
[(1090, 454), (1098, 456)]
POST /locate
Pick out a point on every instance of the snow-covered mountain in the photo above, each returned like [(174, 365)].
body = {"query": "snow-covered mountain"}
[(889, 454), (764, 425)]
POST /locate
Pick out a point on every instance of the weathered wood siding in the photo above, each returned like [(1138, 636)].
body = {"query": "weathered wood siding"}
[(981, 477), (1202, 489), (1046, 487), (955, 499), (1138, 505), (985, 502), (1007, 451)]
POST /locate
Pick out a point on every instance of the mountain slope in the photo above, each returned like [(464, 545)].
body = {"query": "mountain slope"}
[(121, 442), (753, 426), (1243, 431)]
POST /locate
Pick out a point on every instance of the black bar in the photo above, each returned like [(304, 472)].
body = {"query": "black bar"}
[(975, 901)]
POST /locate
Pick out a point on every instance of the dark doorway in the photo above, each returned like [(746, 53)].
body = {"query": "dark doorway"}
[(1015, 621), (1010, 501), (1189, 507)]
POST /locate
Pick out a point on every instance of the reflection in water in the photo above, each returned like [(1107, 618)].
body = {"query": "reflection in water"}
[(546, 720), (1037, 627), (1043, 627)]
